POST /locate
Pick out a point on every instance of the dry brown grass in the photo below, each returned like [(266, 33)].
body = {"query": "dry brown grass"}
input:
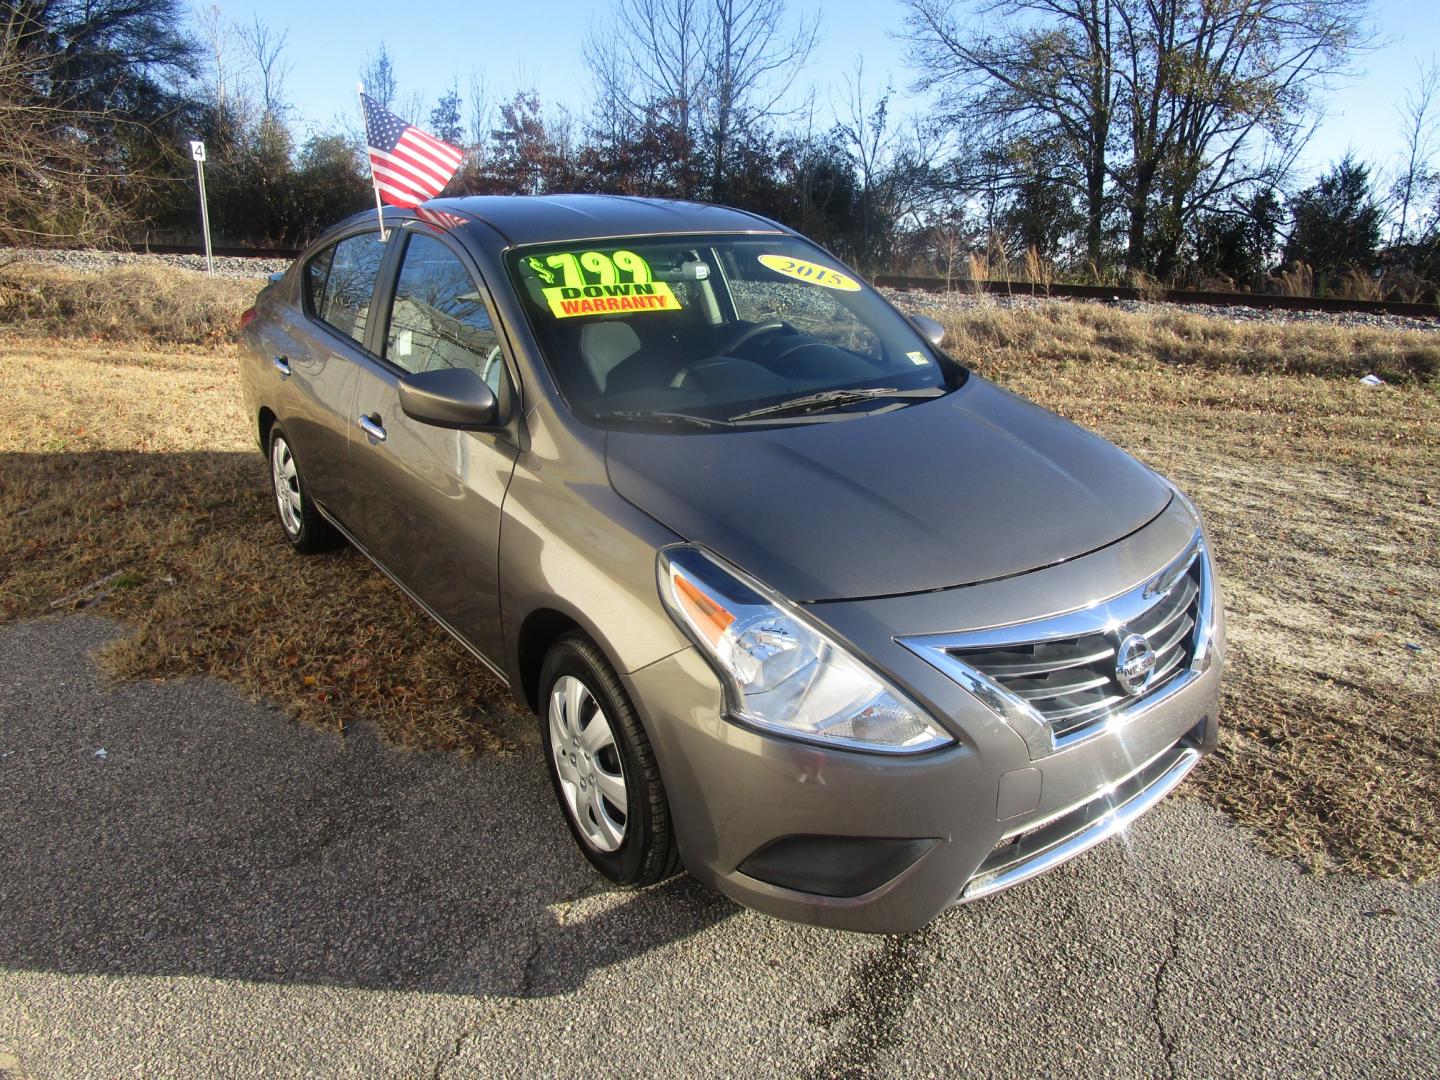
[(1059, 334), (1319, 492), (135, 304), (128, 482)]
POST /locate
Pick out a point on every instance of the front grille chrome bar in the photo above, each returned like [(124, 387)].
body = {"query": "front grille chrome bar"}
[(1034, 852)]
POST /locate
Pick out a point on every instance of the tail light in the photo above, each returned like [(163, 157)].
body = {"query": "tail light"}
[(247, 317)]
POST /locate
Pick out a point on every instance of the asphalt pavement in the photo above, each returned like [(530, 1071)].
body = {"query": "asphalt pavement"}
[(191, 885)]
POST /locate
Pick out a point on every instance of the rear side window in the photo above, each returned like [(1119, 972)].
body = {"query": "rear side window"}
[(438, 318), (340, 282), (317, 272)]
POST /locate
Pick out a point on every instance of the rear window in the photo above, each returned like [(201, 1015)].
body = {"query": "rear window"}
[(340, 282), (317, 272)]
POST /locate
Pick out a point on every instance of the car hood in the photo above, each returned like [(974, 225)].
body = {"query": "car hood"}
[(976, 485)]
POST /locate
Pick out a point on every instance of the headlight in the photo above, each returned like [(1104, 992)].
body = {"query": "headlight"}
[(782, 673)]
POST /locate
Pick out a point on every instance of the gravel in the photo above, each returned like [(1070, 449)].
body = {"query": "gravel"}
[(91, 260), (963, 301)]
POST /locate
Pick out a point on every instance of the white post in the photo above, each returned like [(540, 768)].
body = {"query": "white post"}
[(197, 151), (379, 209)]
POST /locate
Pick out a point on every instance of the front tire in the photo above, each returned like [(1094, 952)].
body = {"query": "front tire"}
[(302, 523), (602, 767)]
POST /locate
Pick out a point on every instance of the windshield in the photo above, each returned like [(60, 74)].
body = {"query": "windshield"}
[(714, 331)]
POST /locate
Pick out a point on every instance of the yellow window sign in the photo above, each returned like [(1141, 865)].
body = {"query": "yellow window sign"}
[(590, 283), (810, 272), (567, 301)]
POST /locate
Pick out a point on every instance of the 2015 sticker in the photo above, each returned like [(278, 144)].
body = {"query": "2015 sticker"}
[(812, 273)]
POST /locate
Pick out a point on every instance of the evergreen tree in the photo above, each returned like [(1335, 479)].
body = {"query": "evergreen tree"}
[(1337, 223)]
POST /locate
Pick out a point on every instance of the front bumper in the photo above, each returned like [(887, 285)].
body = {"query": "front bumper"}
[(948, 826)]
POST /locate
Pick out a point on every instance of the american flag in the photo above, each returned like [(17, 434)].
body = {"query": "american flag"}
[(440, 218), (408, 165)]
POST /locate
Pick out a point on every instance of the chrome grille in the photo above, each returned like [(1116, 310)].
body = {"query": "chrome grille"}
[(1071, 682), (1055, 680)]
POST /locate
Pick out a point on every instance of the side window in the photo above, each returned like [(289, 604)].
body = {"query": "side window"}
[(351, 283), (438, 319), (317, 272)]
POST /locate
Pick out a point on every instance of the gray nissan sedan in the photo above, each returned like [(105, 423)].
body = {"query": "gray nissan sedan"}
[(803, 605)]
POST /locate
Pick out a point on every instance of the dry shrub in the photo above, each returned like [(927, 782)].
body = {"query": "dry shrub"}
[(1221, 283), (1149, 287), (1403, 284), (1295, 280), (1038, 269), (135, 303), (977, 270), (1358, 285)]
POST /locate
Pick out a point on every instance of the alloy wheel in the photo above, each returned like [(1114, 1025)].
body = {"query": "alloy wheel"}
[(588, 763), (287, 485)]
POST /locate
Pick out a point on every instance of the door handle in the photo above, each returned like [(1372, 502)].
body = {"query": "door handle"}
[(282, 365), (373, 427)]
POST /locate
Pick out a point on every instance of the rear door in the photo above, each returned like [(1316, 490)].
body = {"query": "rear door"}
[(426, 501), (338, 287)]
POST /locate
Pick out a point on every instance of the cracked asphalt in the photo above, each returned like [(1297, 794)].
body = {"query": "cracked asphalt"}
[(191, 885)]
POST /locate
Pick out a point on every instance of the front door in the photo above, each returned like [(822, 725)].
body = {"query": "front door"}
[(425, 500)]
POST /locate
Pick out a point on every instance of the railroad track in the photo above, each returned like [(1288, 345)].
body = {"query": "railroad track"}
[(1003, 288), (1171, 296)]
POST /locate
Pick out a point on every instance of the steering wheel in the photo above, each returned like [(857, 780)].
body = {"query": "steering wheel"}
[(750, 333)]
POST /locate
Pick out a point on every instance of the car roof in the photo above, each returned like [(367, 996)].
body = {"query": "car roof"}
[(543, 219)]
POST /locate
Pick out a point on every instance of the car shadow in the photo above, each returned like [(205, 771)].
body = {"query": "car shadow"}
[(172, 828)]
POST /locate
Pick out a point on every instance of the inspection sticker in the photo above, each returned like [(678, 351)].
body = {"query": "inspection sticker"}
[(917, 358), (812, 273)]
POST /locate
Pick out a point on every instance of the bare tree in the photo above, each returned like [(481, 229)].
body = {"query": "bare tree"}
[(752, 61), (1038, 69), (869, 140), (649, 68), (1177, 103), (78, 86), (265, 49), (705, 73), (1208, 86), (378, 77), (222, 78), (482, 108), (42, 173), (892, 165), (1420, 139)]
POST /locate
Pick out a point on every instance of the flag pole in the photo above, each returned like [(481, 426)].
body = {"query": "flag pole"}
[(379, 209)]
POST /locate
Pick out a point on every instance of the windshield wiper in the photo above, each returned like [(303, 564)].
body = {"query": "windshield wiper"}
[(637, 416), (832, 398)]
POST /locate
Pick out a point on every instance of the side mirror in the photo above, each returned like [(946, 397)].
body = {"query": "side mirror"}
[(450, 398), (929, 329)]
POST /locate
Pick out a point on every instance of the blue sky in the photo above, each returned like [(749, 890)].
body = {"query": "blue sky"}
[(539, 44)]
